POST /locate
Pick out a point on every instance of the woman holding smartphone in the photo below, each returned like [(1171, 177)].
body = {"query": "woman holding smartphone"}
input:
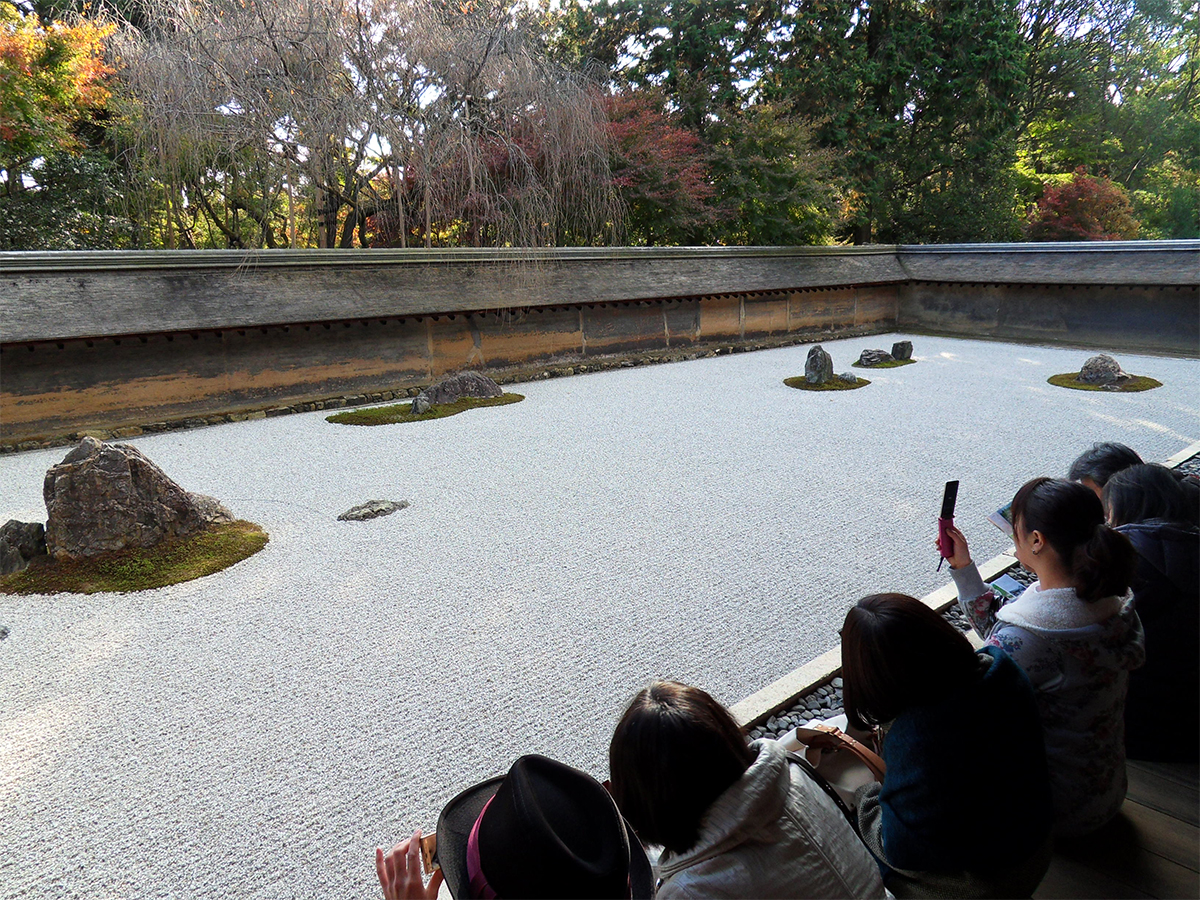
[(1076, 635)]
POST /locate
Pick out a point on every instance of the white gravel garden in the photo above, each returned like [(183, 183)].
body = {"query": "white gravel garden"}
[(256, 733)]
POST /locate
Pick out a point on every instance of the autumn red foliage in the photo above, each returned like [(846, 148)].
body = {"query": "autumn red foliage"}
[(1083, 209), (51, 76), (659, 168)]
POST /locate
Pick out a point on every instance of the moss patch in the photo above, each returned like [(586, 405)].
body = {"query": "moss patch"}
[(894, 364), (801, 383), (392, 415), (1132, 386), (171, 562)]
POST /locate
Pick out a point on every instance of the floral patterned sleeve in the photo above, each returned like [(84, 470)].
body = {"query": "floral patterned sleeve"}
[(979, 604)]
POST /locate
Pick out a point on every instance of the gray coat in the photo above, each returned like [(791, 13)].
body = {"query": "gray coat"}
[(772, 833)]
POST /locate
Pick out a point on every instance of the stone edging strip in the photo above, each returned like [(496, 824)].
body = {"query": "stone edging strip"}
[(781, 694), (762, 704), (1182, 456)]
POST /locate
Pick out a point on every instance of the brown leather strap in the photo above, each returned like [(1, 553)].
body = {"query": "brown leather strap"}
[(844, 742)]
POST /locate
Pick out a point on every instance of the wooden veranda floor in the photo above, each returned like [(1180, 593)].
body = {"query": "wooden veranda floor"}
[(1151, 850)]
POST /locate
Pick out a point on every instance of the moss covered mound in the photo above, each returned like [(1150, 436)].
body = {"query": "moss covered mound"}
[(894, 364), (171, 562), (392, 415), (1132, 386), (801, 383)]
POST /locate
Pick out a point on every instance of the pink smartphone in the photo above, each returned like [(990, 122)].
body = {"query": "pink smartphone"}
[(946, 519)]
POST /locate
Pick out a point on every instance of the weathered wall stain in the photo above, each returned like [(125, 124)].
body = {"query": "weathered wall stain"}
[(68, 386)]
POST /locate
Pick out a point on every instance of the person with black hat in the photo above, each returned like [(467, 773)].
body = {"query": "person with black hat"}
[(543, 830)]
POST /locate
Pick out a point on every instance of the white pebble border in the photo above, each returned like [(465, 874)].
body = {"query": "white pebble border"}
[(256, 733)]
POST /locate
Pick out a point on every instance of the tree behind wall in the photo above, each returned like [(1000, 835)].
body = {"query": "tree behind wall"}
[(1114, 86), (58, 188), (348, 112), (921, 97), (1083, 209)]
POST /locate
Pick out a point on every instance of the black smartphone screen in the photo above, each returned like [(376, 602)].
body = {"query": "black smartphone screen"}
[(949, 499)]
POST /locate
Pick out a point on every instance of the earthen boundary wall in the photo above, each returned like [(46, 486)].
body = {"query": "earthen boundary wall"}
[(119, 341)]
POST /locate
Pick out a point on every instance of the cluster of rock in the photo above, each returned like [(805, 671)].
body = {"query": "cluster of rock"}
[(455, 387), (1104, 371), (818, 369), (901, 350), (823, 703), (372, 509), (104, 497)]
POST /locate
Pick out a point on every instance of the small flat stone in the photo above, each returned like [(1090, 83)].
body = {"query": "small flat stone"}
[(4, 632), (372, 509)]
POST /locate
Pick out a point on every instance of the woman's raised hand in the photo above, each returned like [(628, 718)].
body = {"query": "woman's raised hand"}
[(399, 871), (960, 554)]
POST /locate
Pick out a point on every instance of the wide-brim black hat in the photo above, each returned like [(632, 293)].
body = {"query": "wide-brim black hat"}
[(458, 817)]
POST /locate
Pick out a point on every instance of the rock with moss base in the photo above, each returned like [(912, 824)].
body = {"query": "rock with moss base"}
[(875, 357), (455, 387), (105, 497), (20, 542), (818, 368), (902, 350), (1102, 369)]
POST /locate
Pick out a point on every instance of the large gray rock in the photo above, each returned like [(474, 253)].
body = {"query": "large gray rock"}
[(818, 368), (902, 350), (1103, 369), (455, 387), (875, 357), (105, 497), (20, 542)]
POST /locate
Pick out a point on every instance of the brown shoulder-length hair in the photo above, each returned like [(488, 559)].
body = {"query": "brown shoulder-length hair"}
[(898, 653), (675, 750)]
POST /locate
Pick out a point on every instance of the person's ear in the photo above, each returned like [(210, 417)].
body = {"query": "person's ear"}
[(1036, 541)]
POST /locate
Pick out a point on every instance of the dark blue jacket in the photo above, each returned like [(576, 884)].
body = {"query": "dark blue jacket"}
[(966, 785), (1162, 711)]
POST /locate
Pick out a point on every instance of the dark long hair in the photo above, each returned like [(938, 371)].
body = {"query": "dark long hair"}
[(1104, 460), (673, 753), (1070, 517), (1145, 492), (898, 653)]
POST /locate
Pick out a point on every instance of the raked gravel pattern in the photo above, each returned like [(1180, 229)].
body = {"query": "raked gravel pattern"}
[(256, 733)]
